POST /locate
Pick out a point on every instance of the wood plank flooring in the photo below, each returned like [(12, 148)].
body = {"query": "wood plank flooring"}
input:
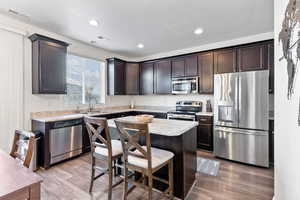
[(70, 181)]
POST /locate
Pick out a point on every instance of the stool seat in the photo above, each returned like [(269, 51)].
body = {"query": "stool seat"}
[(116, 146), (158, 157)]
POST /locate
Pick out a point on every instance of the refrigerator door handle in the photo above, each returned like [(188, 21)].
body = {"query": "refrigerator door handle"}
[(242, 131)]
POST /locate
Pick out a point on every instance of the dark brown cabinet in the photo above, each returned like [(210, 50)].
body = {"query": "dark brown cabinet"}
[(225, 61), (132, 75), (116, 76), (163, 83), (191, 65), (252, 57), (48, 65), (205, 133), (271, 65), (185, 66), (206, 73), (147, 78), (178, 67)]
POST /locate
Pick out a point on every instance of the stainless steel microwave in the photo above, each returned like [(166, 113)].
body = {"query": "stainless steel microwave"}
[(185, 85)]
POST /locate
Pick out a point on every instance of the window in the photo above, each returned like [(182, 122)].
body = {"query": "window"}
[(85, 80)]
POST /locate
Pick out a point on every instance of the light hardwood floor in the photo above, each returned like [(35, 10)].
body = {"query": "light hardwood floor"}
[(70, 181)]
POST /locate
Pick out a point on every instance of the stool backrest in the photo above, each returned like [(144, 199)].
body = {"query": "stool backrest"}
[(98, 133), (131, 133), (18, 137)]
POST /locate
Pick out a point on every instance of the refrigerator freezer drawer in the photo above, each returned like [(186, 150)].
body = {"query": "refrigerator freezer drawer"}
[(247, 146)]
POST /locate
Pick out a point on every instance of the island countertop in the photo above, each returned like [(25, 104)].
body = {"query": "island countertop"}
[(162, 126)]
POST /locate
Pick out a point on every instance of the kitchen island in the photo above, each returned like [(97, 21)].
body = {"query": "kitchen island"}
[(179, 137)]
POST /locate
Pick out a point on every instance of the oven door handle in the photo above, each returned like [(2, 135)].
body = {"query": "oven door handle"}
[(181, 117)]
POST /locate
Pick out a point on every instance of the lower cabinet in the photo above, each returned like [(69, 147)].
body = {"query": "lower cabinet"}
[(205, 133)]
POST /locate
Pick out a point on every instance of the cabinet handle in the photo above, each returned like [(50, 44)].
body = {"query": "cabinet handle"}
[(203, 120)]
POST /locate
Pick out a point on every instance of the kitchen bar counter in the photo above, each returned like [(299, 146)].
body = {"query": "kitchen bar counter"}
[(179, 137), (162, 126), (106, 112)]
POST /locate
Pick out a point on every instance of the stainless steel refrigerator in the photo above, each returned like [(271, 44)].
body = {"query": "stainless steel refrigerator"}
[(241, 123)]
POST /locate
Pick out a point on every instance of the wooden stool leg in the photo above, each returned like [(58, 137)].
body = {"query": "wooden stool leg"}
[(150, 185), (171, 179), (110, 174), (92, 174), (125, 189)]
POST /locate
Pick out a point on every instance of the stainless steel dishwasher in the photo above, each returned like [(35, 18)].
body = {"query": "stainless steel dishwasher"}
[(65, 140)]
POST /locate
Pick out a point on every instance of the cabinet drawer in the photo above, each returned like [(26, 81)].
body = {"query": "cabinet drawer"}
[(205, 119)]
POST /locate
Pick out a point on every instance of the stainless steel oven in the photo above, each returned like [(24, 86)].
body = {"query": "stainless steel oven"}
[(185, 85)]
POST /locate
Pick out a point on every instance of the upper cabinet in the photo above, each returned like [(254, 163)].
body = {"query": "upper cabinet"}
[(206, 73), (185, 66), (225, 61), (147, 78), (178, 67), (48, 65), (163, 82), (252, 57), (132, 78), (116, 76), (191, 65)]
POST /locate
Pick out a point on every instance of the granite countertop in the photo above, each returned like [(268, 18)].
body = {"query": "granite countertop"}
[(107, 111), (162, 126), (96, 113), (205, 114)]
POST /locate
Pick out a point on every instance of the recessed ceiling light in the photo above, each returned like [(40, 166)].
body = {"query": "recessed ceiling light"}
[(93, 22), (93, 42), (100, 37), (198, 31), (140, 46)]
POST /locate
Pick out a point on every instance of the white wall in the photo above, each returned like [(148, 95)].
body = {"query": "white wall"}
[(287, 132), (36, 103), (169, 100)]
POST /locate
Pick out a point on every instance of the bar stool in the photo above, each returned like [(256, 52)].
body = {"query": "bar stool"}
[(143, 159), (15, 150), (103, 148)]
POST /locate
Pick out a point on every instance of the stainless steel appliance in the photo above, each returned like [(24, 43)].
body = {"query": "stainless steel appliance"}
[(241, 117), (65, 140), (185, 85), (185, 110)]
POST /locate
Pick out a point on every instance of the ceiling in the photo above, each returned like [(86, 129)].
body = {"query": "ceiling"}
[(161, 25)]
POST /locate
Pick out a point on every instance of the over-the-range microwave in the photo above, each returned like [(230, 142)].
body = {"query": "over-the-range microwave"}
[(185, 85)]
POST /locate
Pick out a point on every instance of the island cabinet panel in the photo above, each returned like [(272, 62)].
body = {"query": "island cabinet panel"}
[(116, 76), (271, 65), (163, 83), (191, 65), (132, 75), (225, 61), (147, 78), (178, 67), (252, 57), (48, 65), (206, 73), (205, 133)]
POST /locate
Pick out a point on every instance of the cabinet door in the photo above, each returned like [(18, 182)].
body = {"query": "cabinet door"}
[(225, 61), (132, 78), (163, 77), (206, 73), (146, 78), (119, 77), (191, 65), (252, 57), (271, 66), (204, 137), (52, 68), (178, 67)]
